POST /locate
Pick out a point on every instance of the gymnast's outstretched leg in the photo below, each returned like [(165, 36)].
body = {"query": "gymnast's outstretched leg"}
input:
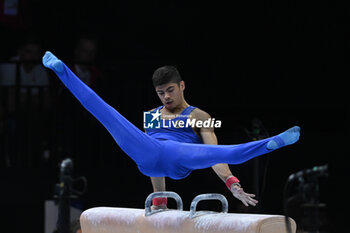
[(143, 149), (187, 157)]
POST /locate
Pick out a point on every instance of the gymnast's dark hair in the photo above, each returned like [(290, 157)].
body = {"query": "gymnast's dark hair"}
[(166, 74)]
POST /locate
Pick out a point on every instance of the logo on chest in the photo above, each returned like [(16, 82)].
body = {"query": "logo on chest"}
[(151, 120)]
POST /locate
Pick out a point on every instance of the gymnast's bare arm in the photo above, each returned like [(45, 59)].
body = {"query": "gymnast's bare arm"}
[(158, 184), (222, 170)]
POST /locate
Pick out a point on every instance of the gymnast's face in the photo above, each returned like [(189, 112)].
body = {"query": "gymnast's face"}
[(171, 94)]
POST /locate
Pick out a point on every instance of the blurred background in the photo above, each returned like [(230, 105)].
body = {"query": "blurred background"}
[(259, 67)]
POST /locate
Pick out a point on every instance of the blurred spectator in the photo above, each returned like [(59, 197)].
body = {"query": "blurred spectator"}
[(70, 116), (24, 85), (29, 75), (32, 72), (84, 58)]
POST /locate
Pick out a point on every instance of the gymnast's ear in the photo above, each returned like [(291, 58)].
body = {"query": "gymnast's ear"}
[(182, 85)]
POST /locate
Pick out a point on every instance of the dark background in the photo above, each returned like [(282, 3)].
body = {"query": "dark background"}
[(280, 61)]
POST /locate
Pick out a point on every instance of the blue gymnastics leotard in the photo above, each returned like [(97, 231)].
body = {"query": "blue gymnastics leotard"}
[(156, 158)]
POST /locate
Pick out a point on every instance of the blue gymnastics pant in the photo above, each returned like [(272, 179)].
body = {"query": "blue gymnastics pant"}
[(154, 157)]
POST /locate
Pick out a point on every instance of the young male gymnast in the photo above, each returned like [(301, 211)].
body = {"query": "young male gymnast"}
[(159, 154), (170, 88)]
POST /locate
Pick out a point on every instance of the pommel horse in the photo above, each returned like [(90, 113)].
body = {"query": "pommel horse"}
[(126, 220)]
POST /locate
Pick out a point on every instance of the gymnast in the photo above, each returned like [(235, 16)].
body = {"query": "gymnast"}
[(159, 154)]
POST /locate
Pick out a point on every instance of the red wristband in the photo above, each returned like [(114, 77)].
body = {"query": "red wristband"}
[(160, 201), (231, 180)]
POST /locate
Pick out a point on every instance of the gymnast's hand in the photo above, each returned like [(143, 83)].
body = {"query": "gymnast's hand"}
[(245, 198)]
